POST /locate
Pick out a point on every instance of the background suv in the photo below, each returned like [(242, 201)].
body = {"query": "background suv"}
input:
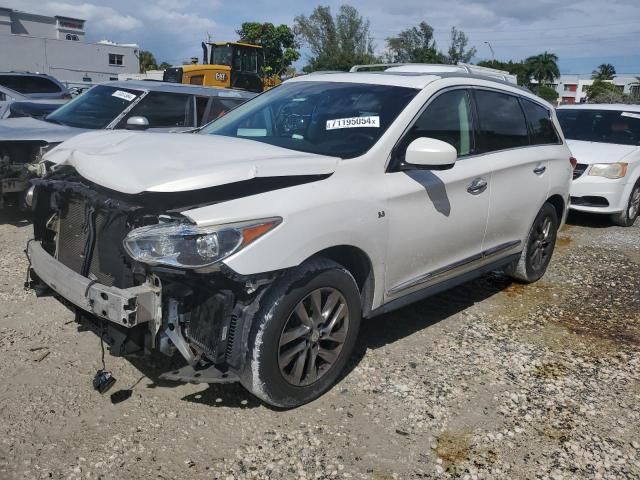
[(255, 247), (606, 141), (34, 85)]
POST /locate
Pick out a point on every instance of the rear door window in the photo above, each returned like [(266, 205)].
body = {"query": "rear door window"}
[(542, 130), (164, 110), (501, 121), (29, 84)]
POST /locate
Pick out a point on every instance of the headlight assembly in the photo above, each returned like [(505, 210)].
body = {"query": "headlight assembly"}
[(608, 170), (190, 246)]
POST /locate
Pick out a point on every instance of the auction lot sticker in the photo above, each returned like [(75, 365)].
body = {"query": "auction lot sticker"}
[(354, 122), (123, 95)]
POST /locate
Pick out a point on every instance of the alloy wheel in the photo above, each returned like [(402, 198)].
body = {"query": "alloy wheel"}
[(541, 246), (313, 336), (634, 203)]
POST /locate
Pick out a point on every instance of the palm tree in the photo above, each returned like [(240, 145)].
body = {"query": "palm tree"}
[(147, 61), (543, 67), (606, 71)]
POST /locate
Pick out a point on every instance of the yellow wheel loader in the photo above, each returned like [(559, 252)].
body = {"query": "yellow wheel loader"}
[(227, 65)]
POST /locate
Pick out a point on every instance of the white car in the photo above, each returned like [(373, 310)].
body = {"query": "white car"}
[(255, 247), (605, 139)]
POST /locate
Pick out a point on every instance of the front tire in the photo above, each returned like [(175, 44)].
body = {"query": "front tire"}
[(539, 246), (303, 334), (628, 217)]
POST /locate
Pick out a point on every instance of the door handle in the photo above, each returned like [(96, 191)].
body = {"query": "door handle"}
[(540, 169), (478, 186)]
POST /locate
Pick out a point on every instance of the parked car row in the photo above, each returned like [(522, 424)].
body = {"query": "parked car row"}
[(253, 247), (132, 105)]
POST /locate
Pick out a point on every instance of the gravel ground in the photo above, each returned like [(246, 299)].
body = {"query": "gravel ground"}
[(490, 380)]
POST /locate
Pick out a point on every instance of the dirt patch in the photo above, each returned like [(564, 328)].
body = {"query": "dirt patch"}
[(563, 241), (551, 371), (453, 447)]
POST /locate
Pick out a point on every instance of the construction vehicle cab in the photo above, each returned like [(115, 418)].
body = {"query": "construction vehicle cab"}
[(225, 64)]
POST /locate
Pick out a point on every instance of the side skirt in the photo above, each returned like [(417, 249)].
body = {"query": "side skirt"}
[(442, 286)]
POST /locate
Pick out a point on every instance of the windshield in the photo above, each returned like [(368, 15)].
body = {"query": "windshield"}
[(96, 108), (221, 55), (326, 118), (605, 126)]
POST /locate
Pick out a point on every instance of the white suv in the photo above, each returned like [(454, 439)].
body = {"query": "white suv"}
[(255, 247), (606, 141)]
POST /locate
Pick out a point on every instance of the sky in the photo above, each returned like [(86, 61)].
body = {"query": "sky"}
[(583, 33)]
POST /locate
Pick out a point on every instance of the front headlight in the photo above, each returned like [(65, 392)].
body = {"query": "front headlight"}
[(608, 170), (189, 246)]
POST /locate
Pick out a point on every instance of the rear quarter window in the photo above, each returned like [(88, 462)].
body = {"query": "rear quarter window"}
[(502, 124), (542, 130)]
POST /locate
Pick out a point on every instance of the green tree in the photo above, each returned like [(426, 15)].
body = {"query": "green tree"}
[(606, 71), (164, 66), (414, 45), (147, 61), (604, 92), (458, 52), (548, 93), (543, 67), (336, 43), (280, 48), (515, 68)]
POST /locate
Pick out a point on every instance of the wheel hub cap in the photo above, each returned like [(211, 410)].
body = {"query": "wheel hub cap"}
[(313, 336)]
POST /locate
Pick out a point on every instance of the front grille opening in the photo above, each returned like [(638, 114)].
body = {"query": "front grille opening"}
[(590, 201), (108, 264), (579, 170)]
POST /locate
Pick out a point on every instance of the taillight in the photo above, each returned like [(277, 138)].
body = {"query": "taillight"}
[(573, 162)]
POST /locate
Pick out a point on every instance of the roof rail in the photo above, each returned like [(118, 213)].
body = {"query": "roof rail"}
[(435, 69)]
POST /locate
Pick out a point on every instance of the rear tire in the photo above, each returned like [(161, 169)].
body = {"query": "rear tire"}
[(539, 246), (303, 334), (628, 217)]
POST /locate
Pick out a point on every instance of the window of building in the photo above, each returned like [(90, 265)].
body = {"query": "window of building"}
[(115, 59), (542, 129), (86, 79), (502, 122), (447, 118), (71, 37)]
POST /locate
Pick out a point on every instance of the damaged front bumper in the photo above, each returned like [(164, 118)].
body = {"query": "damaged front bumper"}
[(128, 307)]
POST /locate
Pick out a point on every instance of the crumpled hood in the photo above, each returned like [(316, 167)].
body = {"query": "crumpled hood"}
[(596, 152), (27, 128), (135, 162)]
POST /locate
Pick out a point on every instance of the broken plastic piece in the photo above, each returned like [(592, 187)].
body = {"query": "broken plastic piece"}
[(103, 381)]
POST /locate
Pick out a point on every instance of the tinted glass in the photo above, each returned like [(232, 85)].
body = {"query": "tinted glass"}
[(221, 56), (327, 118), (447, 118), (163, 110), (606, 126), (218, 107), (542, 129), (96, 108), (501, 121), (29, 84)]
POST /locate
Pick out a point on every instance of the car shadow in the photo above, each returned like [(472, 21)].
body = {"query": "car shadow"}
[(374, 333), (591, 220), (15, 216)]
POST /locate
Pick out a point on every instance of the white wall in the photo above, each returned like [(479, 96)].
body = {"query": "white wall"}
[(66, 60)]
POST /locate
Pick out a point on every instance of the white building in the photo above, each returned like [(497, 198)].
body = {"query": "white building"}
[(573, 88), (56, 46)]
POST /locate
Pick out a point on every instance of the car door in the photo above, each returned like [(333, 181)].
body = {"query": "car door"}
[(519, 182), (437, 218)]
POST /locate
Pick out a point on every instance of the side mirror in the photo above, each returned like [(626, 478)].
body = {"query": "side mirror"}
[(137, 123), (429, 153)]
